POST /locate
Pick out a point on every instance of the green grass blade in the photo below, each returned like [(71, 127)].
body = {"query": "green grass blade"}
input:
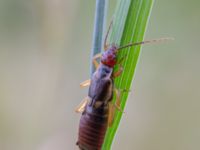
[(131, 17)]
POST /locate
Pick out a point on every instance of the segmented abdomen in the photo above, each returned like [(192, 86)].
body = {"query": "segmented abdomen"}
[(92, 128)]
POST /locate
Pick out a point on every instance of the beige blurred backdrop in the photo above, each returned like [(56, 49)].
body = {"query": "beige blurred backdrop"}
[(44, 55)]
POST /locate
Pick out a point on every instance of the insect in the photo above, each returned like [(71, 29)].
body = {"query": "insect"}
[(97, 108)]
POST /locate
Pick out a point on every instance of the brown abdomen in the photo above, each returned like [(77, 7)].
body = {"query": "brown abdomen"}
[(92, 128)]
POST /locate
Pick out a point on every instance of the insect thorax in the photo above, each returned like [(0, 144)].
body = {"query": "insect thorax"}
[(101, 87)]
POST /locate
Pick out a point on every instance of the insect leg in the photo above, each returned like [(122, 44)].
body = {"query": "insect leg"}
[(111, 114), (96, 64), (113, 107), (118, 96), (118, 72), (81, 107), (85, 83), (106, 37), (117, 102)]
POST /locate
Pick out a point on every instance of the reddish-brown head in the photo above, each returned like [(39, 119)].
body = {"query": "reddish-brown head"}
[(109, 56)]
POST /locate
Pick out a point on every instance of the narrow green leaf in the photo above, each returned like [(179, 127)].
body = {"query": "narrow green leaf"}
[(131, 17)]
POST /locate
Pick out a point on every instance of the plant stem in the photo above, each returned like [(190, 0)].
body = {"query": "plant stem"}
[(99, 25)]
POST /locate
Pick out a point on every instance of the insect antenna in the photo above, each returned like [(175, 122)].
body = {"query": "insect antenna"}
[(146, 42), (106, 37)]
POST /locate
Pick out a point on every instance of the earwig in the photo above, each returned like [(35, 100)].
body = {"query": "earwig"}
[(97, 108)]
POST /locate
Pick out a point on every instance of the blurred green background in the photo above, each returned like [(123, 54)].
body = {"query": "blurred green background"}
[(44, 55)]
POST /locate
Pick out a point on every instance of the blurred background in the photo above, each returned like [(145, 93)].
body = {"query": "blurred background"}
[(44, 55)]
